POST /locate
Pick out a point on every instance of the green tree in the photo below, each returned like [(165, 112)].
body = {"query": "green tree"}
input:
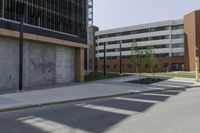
[(150, 58), (137, 55)]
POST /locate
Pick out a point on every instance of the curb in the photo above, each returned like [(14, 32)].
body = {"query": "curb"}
[(88, 99)]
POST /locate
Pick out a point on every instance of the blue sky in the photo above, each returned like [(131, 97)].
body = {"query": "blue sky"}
[(118, 13)]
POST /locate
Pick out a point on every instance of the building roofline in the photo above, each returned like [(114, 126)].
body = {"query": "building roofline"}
[(140, 26)]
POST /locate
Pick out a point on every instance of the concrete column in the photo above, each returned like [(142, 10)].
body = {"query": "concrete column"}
[(79, 64), (98, 47)]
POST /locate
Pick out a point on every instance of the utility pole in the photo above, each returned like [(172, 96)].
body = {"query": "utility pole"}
[(197, 68), (3, 9), (21, 46), (21, 40), (120, 58), (104, 61), (197, 65)]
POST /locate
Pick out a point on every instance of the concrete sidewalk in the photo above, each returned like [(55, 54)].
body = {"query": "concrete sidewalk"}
[(86, 91)]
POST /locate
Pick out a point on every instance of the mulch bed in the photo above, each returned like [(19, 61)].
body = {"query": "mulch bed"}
[(146, 81)]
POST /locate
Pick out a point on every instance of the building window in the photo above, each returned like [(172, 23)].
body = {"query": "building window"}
[(113, 42), (101, 51), (141, 39), (102, 43), (147, 66), (177, 27), (127, 41), (157, 66), (141, 31), (112, 58), (159, 28), (130, 66), (166, 65), (178, 45), (126, 57), (178, 67), (115, 66), (162, 55), (108, 66), (102, 36), (102, 66), (108, 35), (159, 37), (136, 40), (161, 46), (125, 33), (122, 66), (111, 50), (65, 16), (177, 54), (101, 58), (177, 36), (126, 49)]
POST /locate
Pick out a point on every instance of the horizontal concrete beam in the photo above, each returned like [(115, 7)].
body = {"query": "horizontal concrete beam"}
[(32, 37)]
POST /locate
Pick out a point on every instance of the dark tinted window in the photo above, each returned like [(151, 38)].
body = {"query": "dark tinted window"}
[(68, 16), (177, 27)]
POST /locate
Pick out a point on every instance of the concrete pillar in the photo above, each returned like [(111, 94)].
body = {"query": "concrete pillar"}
[(79, 64)]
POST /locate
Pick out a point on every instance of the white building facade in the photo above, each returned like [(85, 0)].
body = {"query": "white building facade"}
[(167, 37)]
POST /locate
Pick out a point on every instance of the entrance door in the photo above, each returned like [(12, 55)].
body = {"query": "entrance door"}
[(178, 67)]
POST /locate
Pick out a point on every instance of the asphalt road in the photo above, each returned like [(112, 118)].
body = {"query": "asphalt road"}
[(163, 112)]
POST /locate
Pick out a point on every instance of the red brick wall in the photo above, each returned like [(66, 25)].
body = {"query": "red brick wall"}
[(126, 62), (192, 39)]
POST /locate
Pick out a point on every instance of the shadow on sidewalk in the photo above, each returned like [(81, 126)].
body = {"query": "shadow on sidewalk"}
[(95, 116)]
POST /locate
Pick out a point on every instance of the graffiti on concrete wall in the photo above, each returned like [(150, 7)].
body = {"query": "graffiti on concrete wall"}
[(42, 64)]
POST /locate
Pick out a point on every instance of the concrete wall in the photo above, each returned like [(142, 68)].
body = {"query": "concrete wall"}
[(43, 63), (8, 63), (65, 64)]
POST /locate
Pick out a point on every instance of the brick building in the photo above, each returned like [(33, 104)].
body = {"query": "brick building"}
[(175, 44)]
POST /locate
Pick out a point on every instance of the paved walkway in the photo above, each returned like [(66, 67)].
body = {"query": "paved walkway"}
[(89, 90)]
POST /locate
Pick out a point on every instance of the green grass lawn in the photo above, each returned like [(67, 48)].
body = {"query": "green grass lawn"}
[(181, 75), (99, 75)]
